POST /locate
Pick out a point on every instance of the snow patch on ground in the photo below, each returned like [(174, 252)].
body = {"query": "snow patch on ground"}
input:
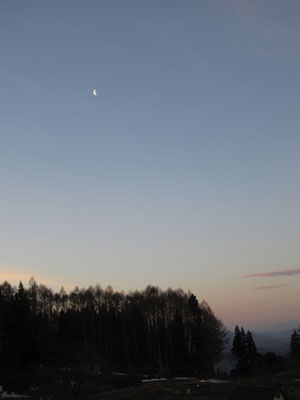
[(154, 380), (119, 373), (213, 381), (183, 378)]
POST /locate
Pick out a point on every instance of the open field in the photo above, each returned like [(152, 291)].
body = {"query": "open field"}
[(191, 389), (73, 384)]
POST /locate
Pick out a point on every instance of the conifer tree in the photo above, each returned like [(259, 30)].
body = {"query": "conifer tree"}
[(295, 345), (250, 346), (237, 345), (251, 353), (243, 335), (244, 348)]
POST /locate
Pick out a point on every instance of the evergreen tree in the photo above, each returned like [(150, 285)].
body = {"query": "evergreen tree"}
[(251, 353), (295, 345), (237, 343), (239, 347), (195, 319), (244, 348), (251, 350), (21, 328), (243, 335)]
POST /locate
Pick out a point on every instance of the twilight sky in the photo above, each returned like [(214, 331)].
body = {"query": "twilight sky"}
[(184, 171)]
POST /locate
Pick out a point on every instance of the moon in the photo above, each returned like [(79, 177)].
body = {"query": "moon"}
[(94, 92)]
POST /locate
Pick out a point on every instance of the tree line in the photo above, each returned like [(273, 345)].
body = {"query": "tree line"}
[(250, 361), (151, 328)]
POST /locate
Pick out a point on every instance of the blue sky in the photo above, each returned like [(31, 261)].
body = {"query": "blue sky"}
[(183, 171)]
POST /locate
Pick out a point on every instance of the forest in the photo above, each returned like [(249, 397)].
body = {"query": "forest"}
[(150, 329)]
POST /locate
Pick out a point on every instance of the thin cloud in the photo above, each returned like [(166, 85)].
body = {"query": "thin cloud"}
[(271, 287), (283, 272)]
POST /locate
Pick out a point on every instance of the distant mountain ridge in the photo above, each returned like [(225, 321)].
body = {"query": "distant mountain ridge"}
[(280, 327), (276, 342)]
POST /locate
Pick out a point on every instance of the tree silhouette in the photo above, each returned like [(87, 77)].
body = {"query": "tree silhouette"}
[(244, 349), (142, 329), (295, 345)]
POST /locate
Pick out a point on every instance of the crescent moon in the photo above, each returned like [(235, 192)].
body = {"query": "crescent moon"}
[(94, 92)]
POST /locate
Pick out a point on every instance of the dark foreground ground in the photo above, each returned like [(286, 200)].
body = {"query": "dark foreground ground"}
[(191, 389), (68, 384)]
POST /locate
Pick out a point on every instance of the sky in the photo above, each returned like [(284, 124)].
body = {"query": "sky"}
[(183, 171)]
